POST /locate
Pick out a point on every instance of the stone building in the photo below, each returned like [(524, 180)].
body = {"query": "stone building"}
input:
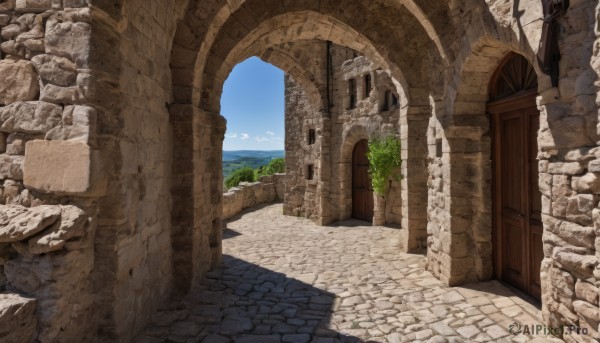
[(358, 101), (111, 145)]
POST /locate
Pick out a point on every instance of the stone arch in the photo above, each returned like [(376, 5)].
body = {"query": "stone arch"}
[(460, 143), (284, 28), (284, 61), (212, 38), (203, 21)]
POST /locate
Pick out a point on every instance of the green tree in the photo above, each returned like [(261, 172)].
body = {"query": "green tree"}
[(240, 175), (277, 165), (384, 157)]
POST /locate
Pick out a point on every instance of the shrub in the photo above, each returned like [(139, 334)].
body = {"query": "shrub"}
[(276, 165), (384, 157), (240, 175)]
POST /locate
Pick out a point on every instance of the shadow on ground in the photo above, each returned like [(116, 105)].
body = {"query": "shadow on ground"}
[(242, 303)]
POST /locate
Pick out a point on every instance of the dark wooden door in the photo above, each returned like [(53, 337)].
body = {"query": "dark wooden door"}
[(518, 225), (362, 191)]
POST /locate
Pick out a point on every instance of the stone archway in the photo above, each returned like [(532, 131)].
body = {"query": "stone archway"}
[(306, 24)]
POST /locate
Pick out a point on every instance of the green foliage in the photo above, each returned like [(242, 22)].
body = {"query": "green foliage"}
[(247, 174), (276, 165), (384, 157), (240, 175)]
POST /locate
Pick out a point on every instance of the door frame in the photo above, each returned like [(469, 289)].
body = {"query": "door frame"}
[(521, 100), (352, 179)]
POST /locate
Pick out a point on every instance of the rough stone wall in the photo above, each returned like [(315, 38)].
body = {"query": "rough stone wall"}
[(135, 238), (460, 172), (84, 97), (268, 189), (301, 195), (369, 119), (47, 135)]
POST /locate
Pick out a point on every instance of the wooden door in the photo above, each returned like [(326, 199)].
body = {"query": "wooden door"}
[(517, 199), (517, 205), (362, 191)]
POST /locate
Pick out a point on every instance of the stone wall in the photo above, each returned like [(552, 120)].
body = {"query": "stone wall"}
[(109, 117), (268, 189), (49, 171), (460, 212), (328, 197), (373, 116)]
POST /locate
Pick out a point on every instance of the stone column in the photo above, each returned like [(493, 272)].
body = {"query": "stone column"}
[(379, 210)]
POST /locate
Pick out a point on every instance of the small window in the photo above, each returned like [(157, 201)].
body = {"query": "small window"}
[(386, 101), (368, 86), (438, 148), (352, 92), (312, 137), (310, 172), (394, 100)]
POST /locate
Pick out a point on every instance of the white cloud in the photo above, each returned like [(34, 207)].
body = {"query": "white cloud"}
[(262, 139), (270, 133), (233, 135), (245, 136)]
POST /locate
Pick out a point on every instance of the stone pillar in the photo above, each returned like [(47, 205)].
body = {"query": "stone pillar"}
[(413, 133), (379, 210)]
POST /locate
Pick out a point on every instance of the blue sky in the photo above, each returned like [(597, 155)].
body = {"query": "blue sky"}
[(253, 104)]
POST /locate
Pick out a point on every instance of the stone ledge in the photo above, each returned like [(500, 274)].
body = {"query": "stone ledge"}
[(63, 167), (269, 189)]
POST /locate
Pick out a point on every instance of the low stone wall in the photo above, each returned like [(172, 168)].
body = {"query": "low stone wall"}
[(268, 189)]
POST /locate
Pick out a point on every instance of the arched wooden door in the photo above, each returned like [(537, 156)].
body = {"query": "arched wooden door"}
[(362, 191), (517, 200)]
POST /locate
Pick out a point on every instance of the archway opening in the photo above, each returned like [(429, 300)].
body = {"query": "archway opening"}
[(253, 105)]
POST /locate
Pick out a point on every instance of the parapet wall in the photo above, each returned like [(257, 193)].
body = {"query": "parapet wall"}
[(268, 189)]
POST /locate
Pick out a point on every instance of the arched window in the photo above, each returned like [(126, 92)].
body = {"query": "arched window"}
[(352, 93), (386, 101), (368, 86), (514, 75)]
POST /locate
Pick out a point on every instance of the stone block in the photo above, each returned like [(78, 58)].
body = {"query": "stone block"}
[(15, 144), (70, 40), (26, 223), (20, 81), (32, 117), (7, 5), (589, 183), (55, 70), (71, 224), (11, 167), (63, 167), (75, 3), (33, 5), (18, 322), (586, 291), (594, 166)]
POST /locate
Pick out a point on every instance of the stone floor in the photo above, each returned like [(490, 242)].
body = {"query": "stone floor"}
[(284, 279)]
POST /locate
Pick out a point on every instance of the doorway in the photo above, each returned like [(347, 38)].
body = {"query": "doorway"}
[(362, 189), (518, 249)]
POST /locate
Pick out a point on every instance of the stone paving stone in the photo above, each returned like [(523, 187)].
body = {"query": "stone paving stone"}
[(284, 279)]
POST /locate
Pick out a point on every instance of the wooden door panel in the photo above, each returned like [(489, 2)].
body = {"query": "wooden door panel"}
[(512, 165), (362, 193), (513, 250), (517, 197)]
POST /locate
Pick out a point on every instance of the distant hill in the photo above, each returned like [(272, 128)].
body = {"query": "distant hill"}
[(233, 160)]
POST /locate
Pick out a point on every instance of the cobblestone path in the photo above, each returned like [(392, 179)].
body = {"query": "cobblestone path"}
[(285, 279)]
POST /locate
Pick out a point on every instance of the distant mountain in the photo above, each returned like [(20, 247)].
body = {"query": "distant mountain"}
[(233, 160)]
